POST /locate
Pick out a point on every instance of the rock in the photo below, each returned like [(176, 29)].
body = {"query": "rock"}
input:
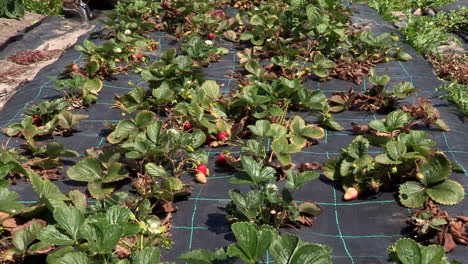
[(429, 12), (400, 15), (453, 47), (418, 12), (401, 24)]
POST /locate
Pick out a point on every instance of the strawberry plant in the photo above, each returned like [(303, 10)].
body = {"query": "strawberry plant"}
[(286, 139), (46, 111), (457, 93), (157, 150), (252, 244), (432, 182), (434, 225), (103, 232), (358, 170), (400, 121), (80, 90), (265, 204), (63, 123), (202, 52), (171, 72), (407, 251), (427, 112), (376, 98), (100, 168)]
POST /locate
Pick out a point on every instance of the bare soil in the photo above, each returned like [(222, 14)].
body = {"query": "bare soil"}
[(13, 74), (12, 27)]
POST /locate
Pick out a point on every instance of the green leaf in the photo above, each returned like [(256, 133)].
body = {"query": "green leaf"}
[(52, 235), (79, 199), (115, 172), (117, 215), (435, 169), (183, 62), (149, 255), (447, 192), (295, 181), (99, 190), (92, 67), (396, 119), (310, 208), (203, 256), (412, 194), (153, 131), (47, 190), (144, 118), (70, 219), (261, 128), (72, 258), (408, 251), (283, 247), (154, 170), (8, 203), (432, 254), (257, 20), (211, 89), (101, 237), (123, 129), (87, 170), (395, 149), (403, 56), (378, 125), (384, 159), (93, 84), (24, 237), (331, 168), (311, 253), (252, 241)]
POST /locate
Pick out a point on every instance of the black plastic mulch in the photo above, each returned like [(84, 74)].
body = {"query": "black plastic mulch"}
[(358, 231)]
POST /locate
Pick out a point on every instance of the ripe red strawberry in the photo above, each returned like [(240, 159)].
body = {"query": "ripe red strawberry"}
[(222, 136), (37, 121), (208, 139), (351, 194), (211, 36), (187, 126), (221, 159), (202, 168), (165, 5), (75, 67), (140, 56)]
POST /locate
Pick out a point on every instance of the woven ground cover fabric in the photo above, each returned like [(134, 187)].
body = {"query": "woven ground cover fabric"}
[(358, 231)]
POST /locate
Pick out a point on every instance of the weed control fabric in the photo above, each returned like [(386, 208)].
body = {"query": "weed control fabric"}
[(358, 231)]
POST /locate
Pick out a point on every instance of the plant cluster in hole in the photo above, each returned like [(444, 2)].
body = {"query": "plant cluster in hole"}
[(152, 153)]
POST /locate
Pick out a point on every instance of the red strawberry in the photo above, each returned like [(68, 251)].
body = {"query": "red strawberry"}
[(37, 121), (208, 140), (351, 193), (222, 136), (187, 126), (221, 159), (75, 67), (165, 5), (140, 56), (202, 168), (211, 36)]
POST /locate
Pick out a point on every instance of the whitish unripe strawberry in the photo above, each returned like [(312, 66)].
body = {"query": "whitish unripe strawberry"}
[(200, 177), (351, 194)]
